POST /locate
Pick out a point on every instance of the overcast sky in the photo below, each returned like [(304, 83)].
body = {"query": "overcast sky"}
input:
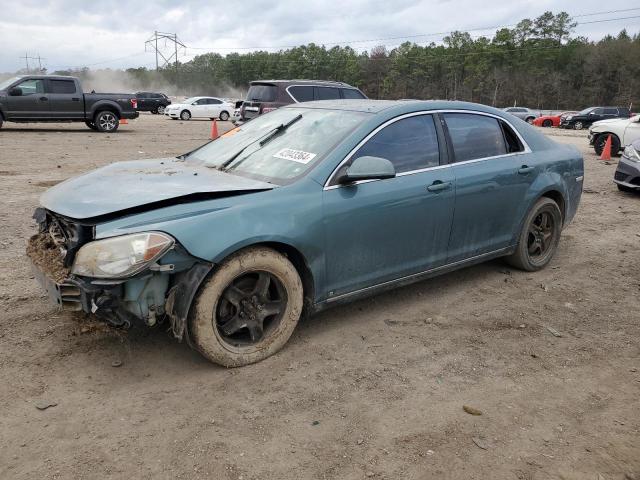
[(76, 33)]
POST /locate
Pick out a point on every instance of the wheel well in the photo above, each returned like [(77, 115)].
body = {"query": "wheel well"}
[(185, 110), (298, 261), (609, 133), (106, 108), (557, 197)]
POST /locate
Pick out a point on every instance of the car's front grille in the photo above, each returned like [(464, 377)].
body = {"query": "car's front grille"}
[(64, 235)]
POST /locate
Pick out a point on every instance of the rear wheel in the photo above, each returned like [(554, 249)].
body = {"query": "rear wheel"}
[(248, 309), (106, 121), (91, 125), (224, 116), (601, 141), (547, 123), (185, 115), (530, 120), (539, 238), (154, 111)]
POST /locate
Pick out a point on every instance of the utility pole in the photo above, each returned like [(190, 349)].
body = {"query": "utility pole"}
[(162, 53), (26, 62)]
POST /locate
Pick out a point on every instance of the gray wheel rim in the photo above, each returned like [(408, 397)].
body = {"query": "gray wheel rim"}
[(224, 116), (161, 110), (578, 126), (108, 121), (185, 115)]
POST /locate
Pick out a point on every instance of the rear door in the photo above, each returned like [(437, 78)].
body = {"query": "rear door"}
[(66, 102), (378, 231), (32, 104), (215, 107), (493, 172), (327, 93)]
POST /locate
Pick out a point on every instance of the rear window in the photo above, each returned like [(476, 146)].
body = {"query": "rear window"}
[(611, 111), (62, 86), (475, 136), (262, 93), (352, 93), (302, 93)]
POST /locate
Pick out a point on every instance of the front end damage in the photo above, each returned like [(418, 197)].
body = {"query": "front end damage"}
[(162, 290)]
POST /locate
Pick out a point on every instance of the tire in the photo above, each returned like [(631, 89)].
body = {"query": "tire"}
[(160, 110), (185, 115), (529, 241), (530, 120), (224, 116), (601, 140), (232, 303), (547, 123), (154, 111), (91, 125), (578, 126), (106, 121), (1, 121)]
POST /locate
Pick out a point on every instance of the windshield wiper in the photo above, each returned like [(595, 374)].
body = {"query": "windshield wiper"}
[(264, 139)]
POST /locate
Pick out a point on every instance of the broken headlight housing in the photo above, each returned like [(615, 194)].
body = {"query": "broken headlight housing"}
[(123, 256), (631, 153)]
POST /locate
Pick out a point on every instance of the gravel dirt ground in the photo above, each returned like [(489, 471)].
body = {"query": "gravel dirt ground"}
[(374, 389)]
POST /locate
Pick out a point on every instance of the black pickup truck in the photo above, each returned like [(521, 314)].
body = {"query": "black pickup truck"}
[(51, 98)]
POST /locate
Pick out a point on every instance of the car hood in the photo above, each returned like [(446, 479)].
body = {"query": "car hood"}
[(143, 185), (610, 120)]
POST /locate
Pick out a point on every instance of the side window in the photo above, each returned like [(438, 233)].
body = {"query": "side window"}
[(610, 111), (514, 144), (214, 101), (202, 101), (352, 93), (29, 87), (327, 93), (410, 144), (598, 111), (475, 136), (302, 93), (62, 86)]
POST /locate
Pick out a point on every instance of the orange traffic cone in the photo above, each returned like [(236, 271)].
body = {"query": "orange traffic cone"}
[(214, 130), (123, 121), (606, 151)]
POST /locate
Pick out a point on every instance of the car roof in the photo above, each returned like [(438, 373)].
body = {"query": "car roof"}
[(302, 81)]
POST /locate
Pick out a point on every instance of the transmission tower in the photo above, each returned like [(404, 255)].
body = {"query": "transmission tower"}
[(38, 58), (168, 51)]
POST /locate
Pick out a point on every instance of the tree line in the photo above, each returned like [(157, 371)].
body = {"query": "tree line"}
[(538, 63)]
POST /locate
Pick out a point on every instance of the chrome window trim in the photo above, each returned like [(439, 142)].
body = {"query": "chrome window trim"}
[(527, 149)]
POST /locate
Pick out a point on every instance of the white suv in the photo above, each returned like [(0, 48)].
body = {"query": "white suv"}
[(623, 131)]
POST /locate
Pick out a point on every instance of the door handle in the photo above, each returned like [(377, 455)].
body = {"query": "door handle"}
[(75, 99), (524, 169), (43, 99), (438, 186)]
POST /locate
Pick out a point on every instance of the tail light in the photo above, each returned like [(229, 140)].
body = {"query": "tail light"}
[(134, 103)]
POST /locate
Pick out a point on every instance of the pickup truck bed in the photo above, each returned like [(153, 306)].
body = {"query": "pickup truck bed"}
[(49, 98)]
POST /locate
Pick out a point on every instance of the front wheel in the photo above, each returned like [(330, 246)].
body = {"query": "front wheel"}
[(224, 116), (106, 122), (185, 115), (601, 141), (578, 126), (248, 309), (539, 238)]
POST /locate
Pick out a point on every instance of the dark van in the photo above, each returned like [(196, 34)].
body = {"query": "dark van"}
[(267, 95)]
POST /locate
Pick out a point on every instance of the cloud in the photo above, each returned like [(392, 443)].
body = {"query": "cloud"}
[(71, 33)]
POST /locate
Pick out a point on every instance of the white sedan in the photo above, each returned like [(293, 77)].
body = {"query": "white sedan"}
[(200, 107), (623, 132)]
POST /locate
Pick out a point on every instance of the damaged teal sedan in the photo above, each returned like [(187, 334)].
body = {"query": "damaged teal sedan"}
[(306, 207)]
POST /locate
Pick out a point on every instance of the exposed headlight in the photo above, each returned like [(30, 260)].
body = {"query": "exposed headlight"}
[(120, 256), (569, 117), (631, 153)]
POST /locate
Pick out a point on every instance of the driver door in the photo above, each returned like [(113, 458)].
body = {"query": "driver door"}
[(33, 104), (382, 230)]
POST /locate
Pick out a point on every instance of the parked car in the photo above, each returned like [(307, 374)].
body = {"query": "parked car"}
[(623, 132), (200, 107), (590, 115), (152, 102), (267, 95), (627, 175), (551, 120), (55, 98), (523, 113), (310, 206)]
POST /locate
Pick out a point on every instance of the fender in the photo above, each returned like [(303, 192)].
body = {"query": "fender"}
[(101, 104)]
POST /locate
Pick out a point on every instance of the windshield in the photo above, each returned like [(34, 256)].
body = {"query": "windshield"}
[(585, 111), (189, 100), (5, 83), (262, 93), (278, 146)]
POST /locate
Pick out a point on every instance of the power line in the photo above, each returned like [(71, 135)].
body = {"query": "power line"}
[(433, 34)]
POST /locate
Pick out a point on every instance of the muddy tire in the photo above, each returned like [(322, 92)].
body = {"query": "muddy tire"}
[(106, 121), (185, 115), (539, 237), (247, 310), (224, 116)]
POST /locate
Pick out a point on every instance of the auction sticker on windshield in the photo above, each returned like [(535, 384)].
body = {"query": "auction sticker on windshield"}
[(295, 155)]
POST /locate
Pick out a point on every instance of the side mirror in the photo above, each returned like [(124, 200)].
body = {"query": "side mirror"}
[(368, 168), (15, 92)]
